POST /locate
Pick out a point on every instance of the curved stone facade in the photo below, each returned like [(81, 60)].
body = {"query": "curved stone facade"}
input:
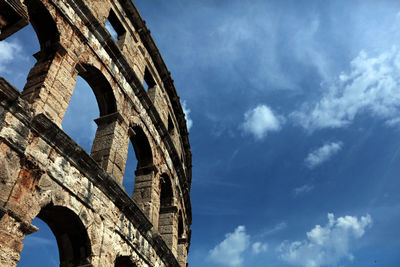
[(45, 174)]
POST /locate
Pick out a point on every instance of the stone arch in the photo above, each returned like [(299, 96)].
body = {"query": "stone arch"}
[(101, 88), (110, 145), (183, 240), (145, 192), (181, 230), (71, 235), (43, 24), (167, 223), (166, 192), (124, 261), (48, 35), (142, 148)]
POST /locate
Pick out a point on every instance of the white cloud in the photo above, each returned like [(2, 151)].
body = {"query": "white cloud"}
[(372, 85), (261, 120), (229, 251), (304, 189), (259, 247), (186, 110), (322, 154), (8, 52), (327, 245)]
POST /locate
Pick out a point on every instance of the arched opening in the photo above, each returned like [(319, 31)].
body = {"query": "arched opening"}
[(180, 226), (40, 248), (16, 56), (124, 261), (167, 213), (115, 28), (70, 233), (101, 88), (16, 64), (142, 150), (48, 35), (166, 193), (171, 126), (129, 175), (91, 87), (43, 24), (82, 111), (144, 189)]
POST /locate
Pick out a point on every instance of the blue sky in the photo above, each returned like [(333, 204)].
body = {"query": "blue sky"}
[(295, 127)]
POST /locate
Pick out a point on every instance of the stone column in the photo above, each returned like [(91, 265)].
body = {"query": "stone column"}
[(110, 146), (12, 234), (50, 83), (168, 227), (182, 251), (146, 192)]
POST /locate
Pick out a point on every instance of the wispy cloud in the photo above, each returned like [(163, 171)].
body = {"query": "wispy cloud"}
[(261, 120), (277, 228), (304, 189), (186, 110), (326, 245), (372, 85), (322, 154), (38, 241)]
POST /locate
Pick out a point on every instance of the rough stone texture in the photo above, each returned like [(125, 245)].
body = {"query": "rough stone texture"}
[(45, 174)]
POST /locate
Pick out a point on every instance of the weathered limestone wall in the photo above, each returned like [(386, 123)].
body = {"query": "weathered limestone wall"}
[(44, 173)]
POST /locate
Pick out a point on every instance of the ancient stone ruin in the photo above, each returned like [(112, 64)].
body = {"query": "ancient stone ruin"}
[(45, 174)]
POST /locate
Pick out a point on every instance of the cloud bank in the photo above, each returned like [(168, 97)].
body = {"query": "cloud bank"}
[(261, 120), (326, 245), (322, 154)]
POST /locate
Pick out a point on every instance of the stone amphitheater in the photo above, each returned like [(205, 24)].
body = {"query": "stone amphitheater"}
[(46, 174)]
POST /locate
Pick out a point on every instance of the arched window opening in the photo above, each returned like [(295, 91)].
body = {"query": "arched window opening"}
[(115, 28), (16, 56), (170, 125), (167, 224), (180, 226), (139, 161), (48, 35), (40, 248), (124, 261), (130, 167), (142, 151), (43, 24), (166, 193), (78, 121), (144, 192), (16, 64), (101, 88), (91, 87), (148, 80), (70, 233)]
